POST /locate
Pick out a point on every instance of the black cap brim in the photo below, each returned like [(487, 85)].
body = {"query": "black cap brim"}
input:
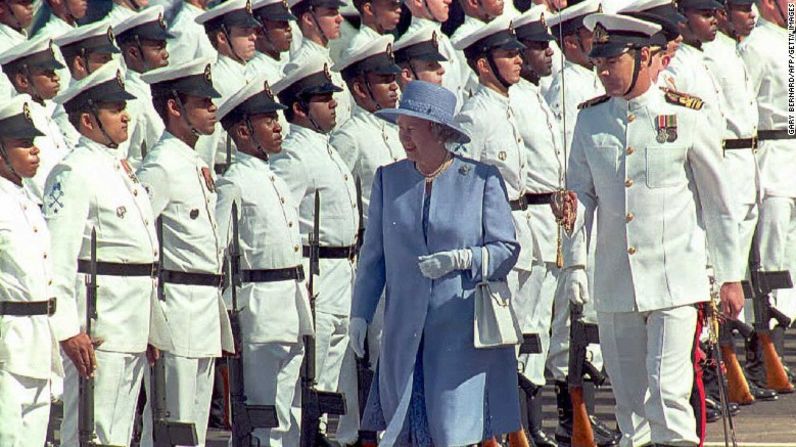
[(611, 49), (20, 127)]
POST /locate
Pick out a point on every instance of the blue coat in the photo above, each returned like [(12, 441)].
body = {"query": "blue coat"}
[(470, 393)]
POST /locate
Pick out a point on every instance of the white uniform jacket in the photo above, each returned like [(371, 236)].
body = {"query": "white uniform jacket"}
[(544, 151), (650, 250), (497, 141), (27, 347), (581, 85), (308, 163), (93, 188), (52, 145), (762, 52), (689, 73), (366, 142), (145, 126), (190, 41), (183, 196), (268, 234)]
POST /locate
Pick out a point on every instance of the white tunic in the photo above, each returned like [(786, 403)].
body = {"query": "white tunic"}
[(146, 126), (52, 146), (570, 87), (190, 41)]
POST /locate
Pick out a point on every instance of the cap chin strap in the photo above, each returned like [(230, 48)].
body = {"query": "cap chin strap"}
[(636, 69), (370, 91), (254, 138), (493, 66), (184, 114), (7, 160), (140, 47), (36, 94), (229, 42), (306, 106), (84, 55), (412, 69), (95, 111), (318, 25)]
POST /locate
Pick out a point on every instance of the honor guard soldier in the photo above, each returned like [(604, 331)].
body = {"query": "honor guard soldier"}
[(15, 17), (142, 39), (190, 42), (578, 72), (92, 191), (85, 49), (319, 21), (366, 142), (761, 52), (31, 66), (643, 161), (432, 13), (63, 16), (308, 164), (544, 151), (417, 53), (273, 301), (273, 39), (378, 17), (477, 13), (183, 197), (28, 354)]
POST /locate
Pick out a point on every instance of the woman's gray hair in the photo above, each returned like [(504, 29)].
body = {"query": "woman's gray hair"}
[(443, 133)]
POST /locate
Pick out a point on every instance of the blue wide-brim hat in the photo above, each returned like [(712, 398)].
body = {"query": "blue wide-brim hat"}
[(428, 101)]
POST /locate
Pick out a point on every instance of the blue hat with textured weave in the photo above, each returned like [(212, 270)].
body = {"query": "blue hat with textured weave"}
[(427, 101)]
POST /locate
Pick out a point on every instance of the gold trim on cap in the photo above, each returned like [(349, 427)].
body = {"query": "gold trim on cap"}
[(249, 6), (267, 91), (389, 52), (26, 112), (600, 34), (542, 19), (208, 74), (161, 21), (326, 72), (111, 37), (119, 79)]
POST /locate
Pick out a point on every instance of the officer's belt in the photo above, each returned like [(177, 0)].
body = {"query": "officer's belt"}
[(272, 275), (191, 278), (753, 142), (27, 308), (530, 199), (119, 269), (348, 252)]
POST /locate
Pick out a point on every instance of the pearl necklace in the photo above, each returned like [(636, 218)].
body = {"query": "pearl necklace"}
[(436, 173)]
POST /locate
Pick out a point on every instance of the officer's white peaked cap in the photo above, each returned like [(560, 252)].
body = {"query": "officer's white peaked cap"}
[(148, 22), (101, 32), (36, 52), (366, 54), (256, 97), (309, 78), (496, 34), (15, 120), (192, 78), (573, 14), (106, 84), (231, 12), (421, 43)]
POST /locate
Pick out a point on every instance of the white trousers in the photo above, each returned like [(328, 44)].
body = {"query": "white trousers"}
[(189, 389), (649, 358), (335, 369), (24, 410), (271, 376), (117, 382), (777, 241), (533, 304)]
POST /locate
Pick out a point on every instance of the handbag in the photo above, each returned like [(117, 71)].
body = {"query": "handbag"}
[(495, 323)]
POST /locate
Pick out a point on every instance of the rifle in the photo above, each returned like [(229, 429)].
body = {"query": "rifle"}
[(87, 435), (581, 334), (245, 418), (759, 289), (314, 403), (361, 229), (165, 432), (737, 386), (712, 317)]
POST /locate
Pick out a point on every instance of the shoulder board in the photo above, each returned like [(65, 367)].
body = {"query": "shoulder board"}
[(682, 99), (593, 102)]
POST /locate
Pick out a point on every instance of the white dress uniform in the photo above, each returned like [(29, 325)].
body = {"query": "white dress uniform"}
[(739, 104), (311, 51), (190, 41), (263, 64), (28, 352), (457, 72), (275, 315), (469, 26), (93, 189), (308, 163), (656, 188), (581, 84), (183, 197), (9, 38), (761, 52), (365, 35)]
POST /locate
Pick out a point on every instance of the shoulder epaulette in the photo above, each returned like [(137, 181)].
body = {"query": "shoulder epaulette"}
[(593, 102), (682, 99)]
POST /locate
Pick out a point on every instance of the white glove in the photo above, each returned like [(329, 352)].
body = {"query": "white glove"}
[(357, 329), (576, 286), (441, 263)]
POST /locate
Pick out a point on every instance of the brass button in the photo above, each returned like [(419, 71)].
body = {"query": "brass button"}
[(290, 224), (345, 177), (45, 255), (50, 282), (282, 199), (631, 250), (295, 248), (631, 117), (629, 183), (630, 150), (35, 230), (135, 192), (629, 217)]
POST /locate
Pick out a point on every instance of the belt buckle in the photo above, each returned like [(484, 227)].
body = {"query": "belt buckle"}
[(755, 142), (51, 306), (154, 270), (352, 252)]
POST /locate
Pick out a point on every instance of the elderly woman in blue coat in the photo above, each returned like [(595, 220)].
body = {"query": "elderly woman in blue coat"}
[(429, 217)]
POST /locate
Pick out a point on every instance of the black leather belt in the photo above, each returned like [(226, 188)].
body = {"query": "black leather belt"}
[(119, 269), (348, 252), (754, 142), (542, 198), (191, 278), (774, 135), (290, 273), (519, 205), (28, 308)]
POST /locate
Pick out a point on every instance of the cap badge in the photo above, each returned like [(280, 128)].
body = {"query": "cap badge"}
[(511, 28), (267, 91), (600, 34), (542, 19), (208, 75), (285, 4), (326, 72), (390, 56), (111, 37), (119, 79), (161, 21), (26, 113), (434, 40), (249, 6)]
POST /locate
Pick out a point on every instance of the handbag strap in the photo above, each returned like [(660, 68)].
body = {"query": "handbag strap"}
[(484, 264)]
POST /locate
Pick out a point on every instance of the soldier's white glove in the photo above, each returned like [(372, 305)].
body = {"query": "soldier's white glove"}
[(441, 263), (357, 329), (576, 285)]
